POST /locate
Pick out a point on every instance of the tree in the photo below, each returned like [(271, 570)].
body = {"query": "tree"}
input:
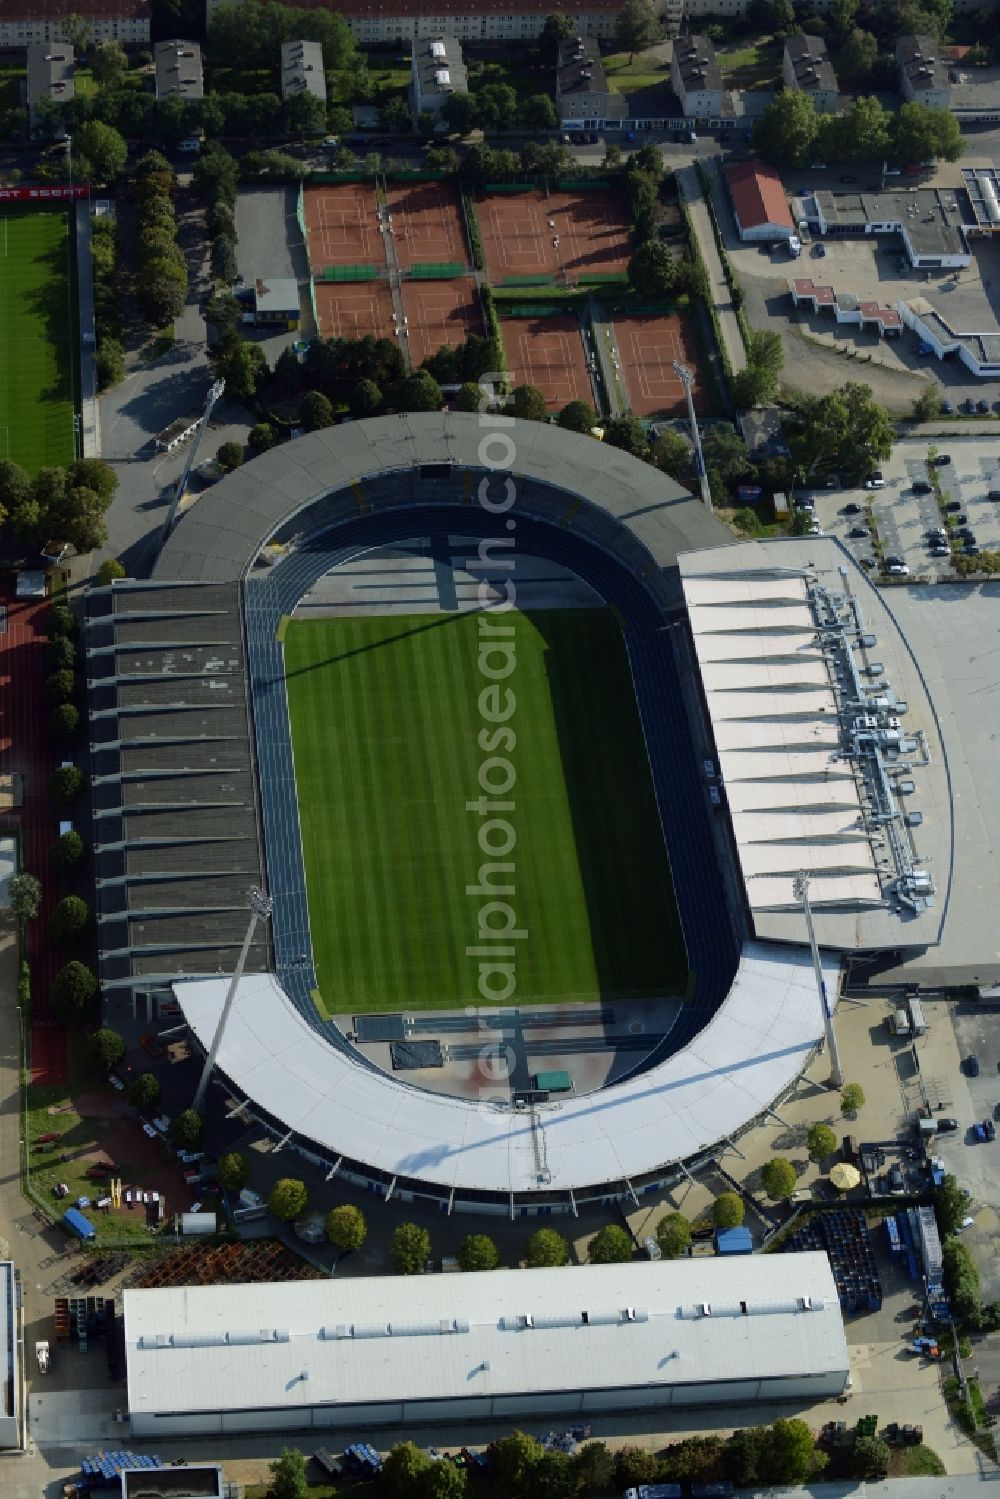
[(162, 290), (107, 1049), (652, 271), (109, 64), (927, 406), (417, 392), (778, 1178), (594, 1467), (478, 1252), (288, 370), (785, 132), (538, 112), (229, 455), (443, 1480), (405, 1465), (59, 686), (961, 1280), (110, 363), (215, 178), (460, 113), (577, 416), (858, 56), (627, 432), (558, 27), (66, 784), (852, 1099), (951, 1204), (870, 1458), (365, 399), (515, 1458), (742, 1455), (288, 1475), (467, 397), (410, 1249), (757, 385), (637, 27), (243, 365), (673, 1234), (611, 1245), (728, 1210), (528, 403), (396, 117), (821, 1142), (233, 1171), (186, 1129), (635, 1466), (862, 134), (15, 488), (287, 1199), (72, 991), (789, 1454), (25, 896), (671, 453), (919, 133), (496, 106), (64, 723), (224, 267), (99, 151), (144, 1093), (346, 1228), (546, 1247), (261, 437), (315, 411), (69, 920), (109, 571), (67, 851)]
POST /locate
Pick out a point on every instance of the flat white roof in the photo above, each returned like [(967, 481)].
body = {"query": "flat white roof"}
[(728, 1074), (388, 1338)]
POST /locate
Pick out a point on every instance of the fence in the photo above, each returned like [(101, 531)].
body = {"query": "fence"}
[(300, 219), (537, 278), (509, 187), (604, 278), (437, 270), (351, 273), (570, 184)]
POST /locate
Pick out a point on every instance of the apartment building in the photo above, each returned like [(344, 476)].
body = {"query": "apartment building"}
[(806, 67), (697, 78), (374, 21), (178, 71), (51, 72), (302, 70), (923, 76), (583, 96), (24, 22), (438, 71)]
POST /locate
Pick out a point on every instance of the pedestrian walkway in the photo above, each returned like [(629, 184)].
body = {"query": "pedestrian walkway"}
[(701, 221), (90, 431)]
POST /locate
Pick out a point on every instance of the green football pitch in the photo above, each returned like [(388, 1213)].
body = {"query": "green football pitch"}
[(37, 333), (386, 723)]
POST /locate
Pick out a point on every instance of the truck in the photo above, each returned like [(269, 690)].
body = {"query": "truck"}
[(77, 1224), (42, 1355)]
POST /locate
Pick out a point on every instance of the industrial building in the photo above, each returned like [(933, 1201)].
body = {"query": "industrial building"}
[(11, 1389), (394, 1351), (760, 207)]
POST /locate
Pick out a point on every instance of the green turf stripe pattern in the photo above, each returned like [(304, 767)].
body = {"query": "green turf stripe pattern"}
[(37, 325), (386, 725)]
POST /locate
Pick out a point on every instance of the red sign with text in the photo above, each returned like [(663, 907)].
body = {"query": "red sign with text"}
[(53, 194)]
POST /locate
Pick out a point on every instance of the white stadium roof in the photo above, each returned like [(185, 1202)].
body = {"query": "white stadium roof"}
[(753, 1048), (372, 1340)]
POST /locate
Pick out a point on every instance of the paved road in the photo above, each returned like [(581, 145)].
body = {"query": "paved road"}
[(732, 338)]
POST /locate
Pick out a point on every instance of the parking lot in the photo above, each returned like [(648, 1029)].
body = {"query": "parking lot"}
[(904, 516), (976, 1163)]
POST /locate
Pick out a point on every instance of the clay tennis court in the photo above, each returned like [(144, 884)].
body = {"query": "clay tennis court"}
[(439, 312), (648, 347), (519, 233), (426, 223), (342, 226), (352, 309), (548, 352)]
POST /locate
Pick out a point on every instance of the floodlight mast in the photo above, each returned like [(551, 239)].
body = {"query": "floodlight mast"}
[(260, 910), (800, 885), (180, 489), (686, 378)]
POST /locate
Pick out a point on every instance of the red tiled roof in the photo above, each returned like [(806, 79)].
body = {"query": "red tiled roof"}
[(12, 11), (758, 195), (890, 318)]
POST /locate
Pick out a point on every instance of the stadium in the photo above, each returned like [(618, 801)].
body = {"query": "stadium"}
[(776, 722)]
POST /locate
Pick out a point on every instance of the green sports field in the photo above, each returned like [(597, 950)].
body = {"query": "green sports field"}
[(386, 719), (37, 337)]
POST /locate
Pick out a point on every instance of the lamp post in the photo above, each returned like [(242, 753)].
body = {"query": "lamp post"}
[(686, 378), (214, 394), (260, 909), (801, 887)]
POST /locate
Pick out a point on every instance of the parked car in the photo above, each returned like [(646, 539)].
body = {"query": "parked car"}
[(940, 549), (921, 486), (983, 407), (853, 508), (897, 570), (875, 482), (942, 460), (936, 533), (971, 1065), (819, 251), (892, 560), (947, 409), (953, 505), (946, 1126), (859, 531), (989, 1129)]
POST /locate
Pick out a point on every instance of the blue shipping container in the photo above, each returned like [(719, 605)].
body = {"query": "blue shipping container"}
[(733, 1241), (77, 1224)]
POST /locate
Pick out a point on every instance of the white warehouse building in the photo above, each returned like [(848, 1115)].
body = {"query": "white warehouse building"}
[(393, 1351)]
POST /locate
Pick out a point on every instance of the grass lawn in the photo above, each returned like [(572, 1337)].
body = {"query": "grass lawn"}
[(643, 71), (50, 1110), (915, 1462), (756, 66), (385, 723), (37, 323)]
